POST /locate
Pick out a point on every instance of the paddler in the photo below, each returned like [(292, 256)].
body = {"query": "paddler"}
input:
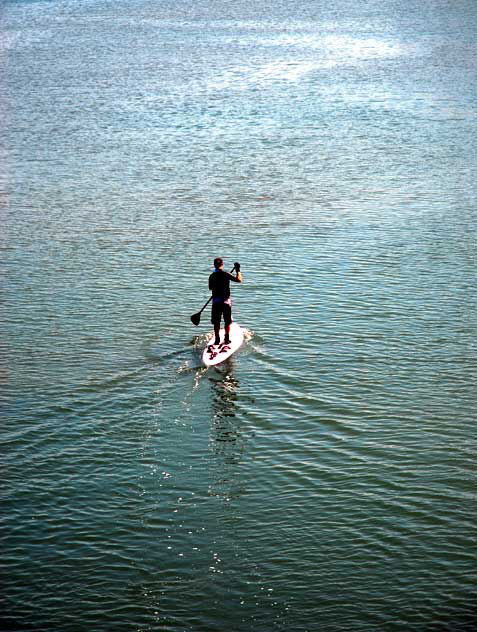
[(219, 284)]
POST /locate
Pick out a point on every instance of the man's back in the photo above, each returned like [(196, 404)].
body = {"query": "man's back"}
[(219, 284)]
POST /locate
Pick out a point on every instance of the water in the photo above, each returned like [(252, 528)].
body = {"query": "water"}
[(324, 479)]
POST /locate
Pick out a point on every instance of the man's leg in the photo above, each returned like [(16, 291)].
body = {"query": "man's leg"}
[(216, 318), (228, 322)]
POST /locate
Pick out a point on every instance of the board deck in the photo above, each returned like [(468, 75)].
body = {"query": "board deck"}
[(215, 354)]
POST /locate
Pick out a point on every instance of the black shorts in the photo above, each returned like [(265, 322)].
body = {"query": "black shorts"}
[(220, 309)]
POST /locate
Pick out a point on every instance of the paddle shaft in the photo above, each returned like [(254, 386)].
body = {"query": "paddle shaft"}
[(205, 306)]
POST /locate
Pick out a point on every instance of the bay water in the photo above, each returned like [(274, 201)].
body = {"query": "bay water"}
[(324, 478)]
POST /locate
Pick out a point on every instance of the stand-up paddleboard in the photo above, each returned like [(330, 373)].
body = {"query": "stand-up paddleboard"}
[(215, 354)]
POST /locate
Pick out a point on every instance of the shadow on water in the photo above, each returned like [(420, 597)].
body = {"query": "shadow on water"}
[(226, 440)]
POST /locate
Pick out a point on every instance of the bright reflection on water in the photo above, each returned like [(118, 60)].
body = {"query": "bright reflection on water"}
[(323, 478)]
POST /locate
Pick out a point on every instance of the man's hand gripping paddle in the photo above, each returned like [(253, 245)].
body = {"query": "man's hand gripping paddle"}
[(195, 318)]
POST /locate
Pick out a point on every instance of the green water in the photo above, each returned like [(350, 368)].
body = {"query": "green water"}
[(324, 478)]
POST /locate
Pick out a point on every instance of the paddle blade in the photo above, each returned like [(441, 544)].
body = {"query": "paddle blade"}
[(195, 318)]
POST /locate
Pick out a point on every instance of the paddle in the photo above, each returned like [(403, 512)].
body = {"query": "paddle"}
[(195, 318)]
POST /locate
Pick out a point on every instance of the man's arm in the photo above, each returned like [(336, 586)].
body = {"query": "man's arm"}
[(237, 278), (238, 275)]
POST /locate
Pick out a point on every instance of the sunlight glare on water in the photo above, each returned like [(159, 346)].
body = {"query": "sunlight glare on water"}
[(321, 479)]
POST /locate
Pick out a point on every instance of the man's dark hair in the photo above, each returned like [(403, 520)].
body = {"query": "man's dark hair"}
[(218, 262)]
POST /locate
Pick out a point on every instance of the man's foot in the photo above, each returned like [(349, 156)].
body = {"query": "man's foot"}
[(217, 342), (227, 341)]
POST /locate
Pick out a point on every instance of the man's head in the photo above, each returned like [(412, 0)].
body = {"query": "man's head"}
[(218, 263)]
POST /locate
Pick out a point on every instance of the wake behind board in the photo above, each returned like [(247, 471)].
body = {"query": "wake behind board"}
[(215, 354)]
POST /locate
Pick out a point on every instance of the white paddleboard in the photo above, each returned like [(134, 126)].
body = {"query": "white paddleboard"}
[(215, 354)]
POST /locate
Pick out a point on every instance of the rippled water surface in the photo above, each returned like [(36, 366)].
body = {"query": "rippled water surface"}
[(324, 478)]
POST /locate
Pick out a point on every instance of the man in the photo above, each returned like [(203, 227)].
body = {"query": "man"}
[(219, 284)]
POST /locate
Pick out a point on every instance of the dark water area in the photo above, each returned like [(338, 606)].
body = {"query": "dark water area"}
[(324, 477)]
